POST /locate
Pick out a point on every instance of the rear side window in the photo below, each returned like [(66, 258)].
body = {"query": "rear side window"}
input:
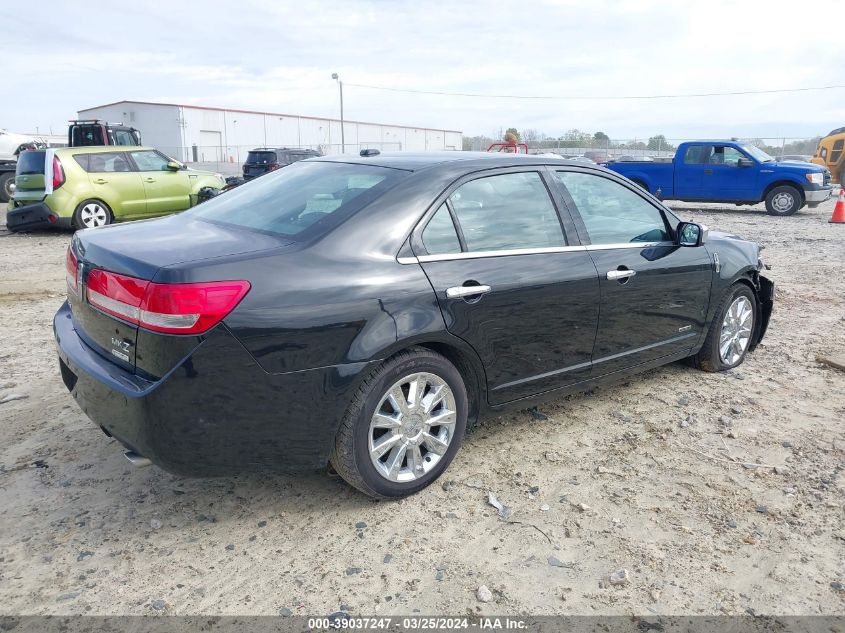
[(612, 213), (87, 135), (508, 211), (697, 154), (439, 236), (290, 200), (106, 162), (30, 163), (261, 158)]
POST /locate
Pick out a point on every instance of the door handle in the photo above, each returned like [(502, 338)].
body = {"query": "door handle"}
[(620, 274), (708, 172), (149, 179), (100, 181), (460, 292)]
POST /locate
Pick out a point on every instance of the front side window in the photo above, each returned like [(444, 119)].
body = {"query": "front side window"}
[(724, 155), (148, 160), (439, 236), (105, 162), (836, 150), (612, 213), (508, 211), (293, 199), (123, 137)]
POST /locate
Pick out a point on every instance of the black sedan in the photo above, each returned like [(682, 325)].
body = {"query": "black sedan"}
[(364, 311)]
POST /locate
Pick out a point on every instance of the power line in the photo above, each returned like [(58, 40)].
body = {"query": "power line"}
[(595, 98)]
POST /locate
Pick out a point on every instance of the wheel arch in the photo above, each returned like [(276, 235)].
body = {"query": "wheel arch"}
[(751, 279), (465, 360), (782, 183)]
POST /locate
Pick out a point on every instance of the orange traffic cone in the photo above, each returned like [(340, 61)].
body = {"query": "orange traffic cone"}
[(838, 216)]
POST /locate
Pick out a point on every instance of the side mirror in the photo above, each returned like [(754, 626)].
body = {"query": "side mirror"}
[(691, 234), (745, 162), (174, 166)]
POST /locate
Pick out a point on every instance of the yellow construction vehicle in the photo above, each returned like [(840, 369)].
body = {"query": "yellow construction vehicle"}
[(830, 153)]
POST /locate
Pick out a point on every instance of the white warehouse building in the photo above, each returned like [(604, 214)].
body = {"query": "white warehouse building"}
[(193, 133)]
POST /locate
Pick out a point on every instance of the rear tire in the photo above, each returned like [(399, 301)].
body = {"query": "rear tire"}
[(91, 214), (729, 336), (7, 179), (783, 200), (417, 451)]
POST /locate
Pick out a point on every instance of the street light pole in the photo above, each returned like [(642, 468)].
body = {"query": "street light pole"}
[(342, 134)]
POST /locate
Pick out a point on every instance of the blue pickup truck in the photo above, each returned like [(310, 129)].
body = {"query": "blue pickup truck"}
[(731, 171)]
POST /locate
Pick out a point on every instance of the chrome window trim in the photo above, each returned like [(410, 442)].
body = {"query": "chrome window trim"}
[(503, 253), (606, 247), (445, 257)]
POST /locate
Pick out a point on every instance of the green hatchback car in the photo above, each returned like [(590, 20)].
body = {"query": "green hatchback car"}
[(87, 187)]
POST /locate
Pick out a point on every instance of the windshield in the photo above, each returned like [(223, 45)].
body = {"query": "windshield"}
[(757, 153), (30, 163), (261, 158), (289, 201)]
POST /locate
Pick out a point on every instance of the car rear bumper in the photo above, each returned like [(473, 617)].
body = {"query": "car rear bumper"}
[(35, 216), (216, 413)]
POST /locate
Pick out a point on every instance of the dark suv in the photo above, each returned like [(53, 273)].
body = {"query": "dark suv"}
[(264, 159)]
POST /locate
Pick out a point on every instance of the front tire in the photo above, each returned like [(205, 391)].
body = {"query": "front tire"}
[(91, 214), (783, 200), (729, 336), (403, 426)]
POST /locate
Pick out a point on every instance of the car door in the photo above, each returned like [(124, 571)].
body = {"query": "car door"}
[(724, 179), (510, 282), (689, 172), (115, 181), (167, 190), (654, 293)]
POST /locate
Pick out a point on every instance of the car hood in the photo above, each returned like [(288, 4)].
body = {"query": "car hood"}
[(141, 249), (798, 169)]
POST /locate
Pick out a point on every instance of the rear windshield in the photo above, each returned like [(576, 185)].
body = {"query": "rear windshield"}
[(289, 201), (30, 163), (261, 158), (86, 135)]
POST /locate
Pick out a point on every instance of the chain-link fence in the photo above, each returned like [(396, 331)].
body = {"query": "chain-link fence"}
[(229, 160), (658, 148)]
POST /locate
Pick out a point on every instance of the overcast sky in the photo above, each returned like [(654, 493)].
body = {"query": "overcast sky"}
[(279, 56)]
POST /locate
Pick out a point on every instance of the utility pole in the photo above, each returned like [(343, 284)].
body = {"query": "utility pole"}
[(342, 131)]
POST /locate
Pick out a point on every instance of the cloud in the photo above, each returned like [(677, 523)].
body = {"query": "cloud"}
[(279, 56)]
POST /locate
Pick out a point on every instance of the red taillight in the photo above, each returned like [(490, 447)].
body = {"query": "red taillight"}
[(58, 173), (71, 266), (272, 167), (169, 308)]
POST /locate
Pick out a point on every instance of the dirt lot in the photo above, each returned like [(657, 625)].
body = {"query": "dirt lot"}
[(717, 493)]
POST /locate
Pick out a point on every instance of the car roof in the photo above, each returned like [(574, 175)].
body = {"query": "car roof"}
[(95, 149), (416, 161)]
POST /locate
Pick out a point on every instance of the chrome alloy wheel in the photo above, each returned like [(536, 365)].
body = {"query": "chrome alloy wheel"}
[(783, 202), (412, 427), (93, 215), (736, 330)]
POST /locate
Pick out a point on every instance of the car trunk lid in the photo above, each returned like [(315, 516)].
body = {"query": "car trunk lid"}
[(110, 278)]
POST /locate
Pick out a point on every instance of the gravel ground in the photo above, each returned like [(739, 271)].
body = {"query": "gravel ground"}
[(715, 493)]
